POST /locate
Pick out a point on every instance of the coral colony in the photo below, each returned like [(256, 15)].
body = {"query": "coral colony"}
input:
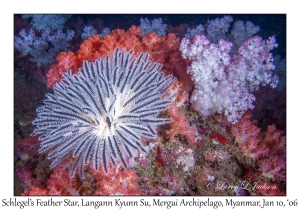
[(153, 109), (224, 84)]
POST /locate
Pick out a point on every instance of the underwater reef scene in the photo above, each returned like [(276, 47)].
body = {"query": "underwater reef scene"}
[(150, 105)]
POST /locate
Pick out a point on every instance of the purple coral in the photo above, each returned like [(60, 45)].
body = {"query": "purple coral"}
[(88, 31), (216, 29), (242, 31), (155, 25), (40, 22), (222, 28), (44, 48)]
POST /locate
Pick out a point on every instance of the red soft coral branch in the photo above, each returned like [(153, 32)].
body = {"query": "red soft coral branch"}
[(223, 140), (180, 125), (36, 191), (268, 148), (116, 182), (273, 165), (247, 135)]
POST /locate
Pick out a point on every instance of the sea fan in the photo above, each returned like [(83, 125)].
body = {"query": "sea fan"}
[(100, 114)]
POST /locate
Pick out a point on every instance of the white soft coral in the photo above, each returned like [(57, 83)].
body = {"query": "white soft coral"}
[(224, 84)]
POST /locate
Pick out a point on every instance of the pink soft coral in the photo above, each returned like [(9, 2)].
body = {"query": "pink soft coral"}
[(59, 183), (273, 165), (180, 125), (247, 135), (268, 148), (116, 182)]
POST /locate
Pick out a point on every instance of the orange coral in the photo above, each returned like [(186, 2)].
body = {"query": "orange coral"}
[(247, 135), (89, 49), (116, 182), (273, 166), (182, 97), (65, 61), (163, 49), (60, 182), (268, 148), (36, 191), (180, 125)]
